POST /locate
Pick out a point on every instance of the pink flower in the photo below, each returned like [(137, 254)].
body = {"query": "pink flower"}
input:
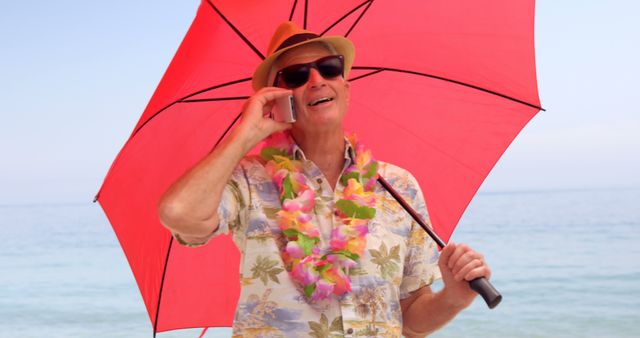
[(303, 218), (341, 261), (338, 239), (371, 182), (304, 202), (323, 290), (298, 183), (341, 282), (294, 250), (304, 272), (361, 230), (277, 176)]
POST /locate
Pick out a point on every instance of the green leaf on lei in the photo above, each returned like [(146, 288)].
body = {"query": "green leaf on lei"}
[(308, 290), (344, 179), (268, 153), (291, 233), (351, 209), (324, 268), (350, 255), (307, 243), (372, 170), (287, 188)]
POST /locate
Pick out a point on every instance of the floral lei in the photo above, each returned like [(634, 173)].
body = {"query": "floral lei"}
[(321, 273)]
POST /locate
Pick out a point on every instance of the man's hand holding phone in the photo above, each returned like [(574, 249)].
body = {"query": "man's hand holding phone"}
[(284, 109), (256, 123)]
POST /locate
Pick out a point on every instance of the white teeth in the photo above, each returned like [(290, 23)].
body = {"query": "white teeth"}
[(320, 100)]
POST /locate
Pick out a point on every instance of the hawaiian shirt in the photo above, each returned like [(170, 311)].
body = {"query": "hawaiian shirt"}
[(399, 258)]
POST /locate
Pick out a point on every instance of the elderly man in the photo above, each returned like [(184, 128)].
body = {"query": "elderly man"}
[(325, 250)]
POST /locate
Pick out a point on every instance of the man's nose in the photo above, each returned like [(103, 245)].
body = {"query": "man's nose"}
[(315, 79)]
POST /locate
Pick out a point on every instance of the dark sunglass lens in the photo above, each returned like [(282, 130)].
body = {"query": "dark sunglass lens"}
[(295, 76), (330, 67)]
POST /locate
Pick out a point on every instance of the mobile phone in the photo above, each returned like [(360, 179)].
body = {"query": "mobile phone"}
[(284, 109)]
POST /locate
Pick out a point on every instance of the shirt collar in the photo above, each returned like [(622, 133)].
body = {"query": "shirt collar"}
[(349, 153)]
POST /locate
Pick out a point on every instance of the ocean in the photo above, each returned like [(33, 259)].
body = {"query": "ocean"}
[(566, 262)]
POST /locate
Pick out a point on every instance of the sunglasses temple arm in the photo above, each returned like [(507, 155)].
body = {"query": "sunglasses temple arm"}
[(481, 285)]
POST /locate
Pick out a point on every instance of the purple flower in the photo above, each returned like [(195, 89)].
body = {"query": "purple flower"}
[(323, 290)]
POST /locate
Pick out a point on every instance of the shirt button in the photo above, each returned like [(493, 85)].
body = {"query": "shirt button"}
[(319, 181), (350, 331)]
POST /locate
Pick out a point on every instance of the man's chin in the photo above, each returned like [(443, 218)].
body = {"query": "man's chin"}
[(318, 123)]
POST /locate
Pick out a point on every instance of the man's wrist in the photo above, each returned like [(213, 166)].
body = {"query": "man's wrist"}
[(242, 139), (452, 300)]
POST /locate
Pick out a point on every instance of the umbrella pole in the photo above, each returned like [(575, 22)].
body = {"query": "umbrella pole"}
[(480, 285)]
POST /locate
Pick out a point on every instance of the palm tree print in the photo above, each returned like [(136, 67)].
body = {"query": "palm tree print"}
[(322, 329), (387, 261), (369, 301), (256, 323), (265, 269)]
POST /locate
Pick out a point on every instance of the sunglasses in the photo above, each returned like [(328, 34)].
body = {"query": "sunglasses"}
[(295, 76)]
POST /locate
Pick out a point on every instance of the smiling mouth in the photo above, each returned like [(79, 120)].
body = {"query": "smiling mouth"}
[(319, 101)]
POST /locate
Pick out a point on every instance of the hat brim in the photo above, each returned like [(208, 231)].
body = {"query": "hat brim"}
[(343, 46)]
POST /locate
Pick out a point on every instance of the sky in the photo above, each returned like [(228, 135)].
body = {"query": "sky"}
[(76, 75)]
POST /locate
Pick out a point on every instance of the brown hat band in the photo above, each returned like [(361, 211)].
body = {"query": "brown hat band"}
[(294, 39)]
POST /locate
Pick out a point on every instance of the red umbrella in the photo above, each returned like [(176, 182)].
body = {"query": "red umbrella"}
[(445, 87)]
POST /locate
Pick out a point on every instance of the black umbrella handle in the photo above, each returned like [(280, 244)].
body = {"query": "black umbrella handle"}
[(480, 285), (485, 289)]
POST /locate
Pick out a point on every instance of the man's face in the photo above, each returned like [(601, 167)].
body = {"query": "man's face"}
[(320, 103)]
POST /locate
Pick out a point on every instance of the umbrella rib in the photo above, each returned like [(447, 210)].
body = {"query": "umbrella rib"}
[(185, 98), (244, 38), (225, 132), (230, 98), (345, 16), (216, 87), (358, 19), (164, 273), (306, 5), (380, 69), (365, 75), (293, 9)]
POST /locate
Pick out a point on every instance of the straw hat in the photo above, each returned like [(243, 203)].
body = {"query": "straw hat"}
[(288, 35)]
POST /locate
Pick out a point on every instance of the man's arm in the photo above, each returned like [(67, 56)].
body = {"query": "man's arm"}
[(189, 207), (424, 311)]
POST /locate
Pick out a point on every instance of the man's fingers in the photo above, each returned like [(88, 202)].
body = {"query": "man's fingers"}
[(467, 268), (463, 262), (445, 254), (461, 249), (261, 101), (268, 94), (282, 126), (464, 259), (481, 271)]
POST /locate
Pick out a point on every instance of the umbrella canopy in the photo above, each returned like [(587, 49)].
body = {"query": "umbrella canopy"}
[(438, 87)]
